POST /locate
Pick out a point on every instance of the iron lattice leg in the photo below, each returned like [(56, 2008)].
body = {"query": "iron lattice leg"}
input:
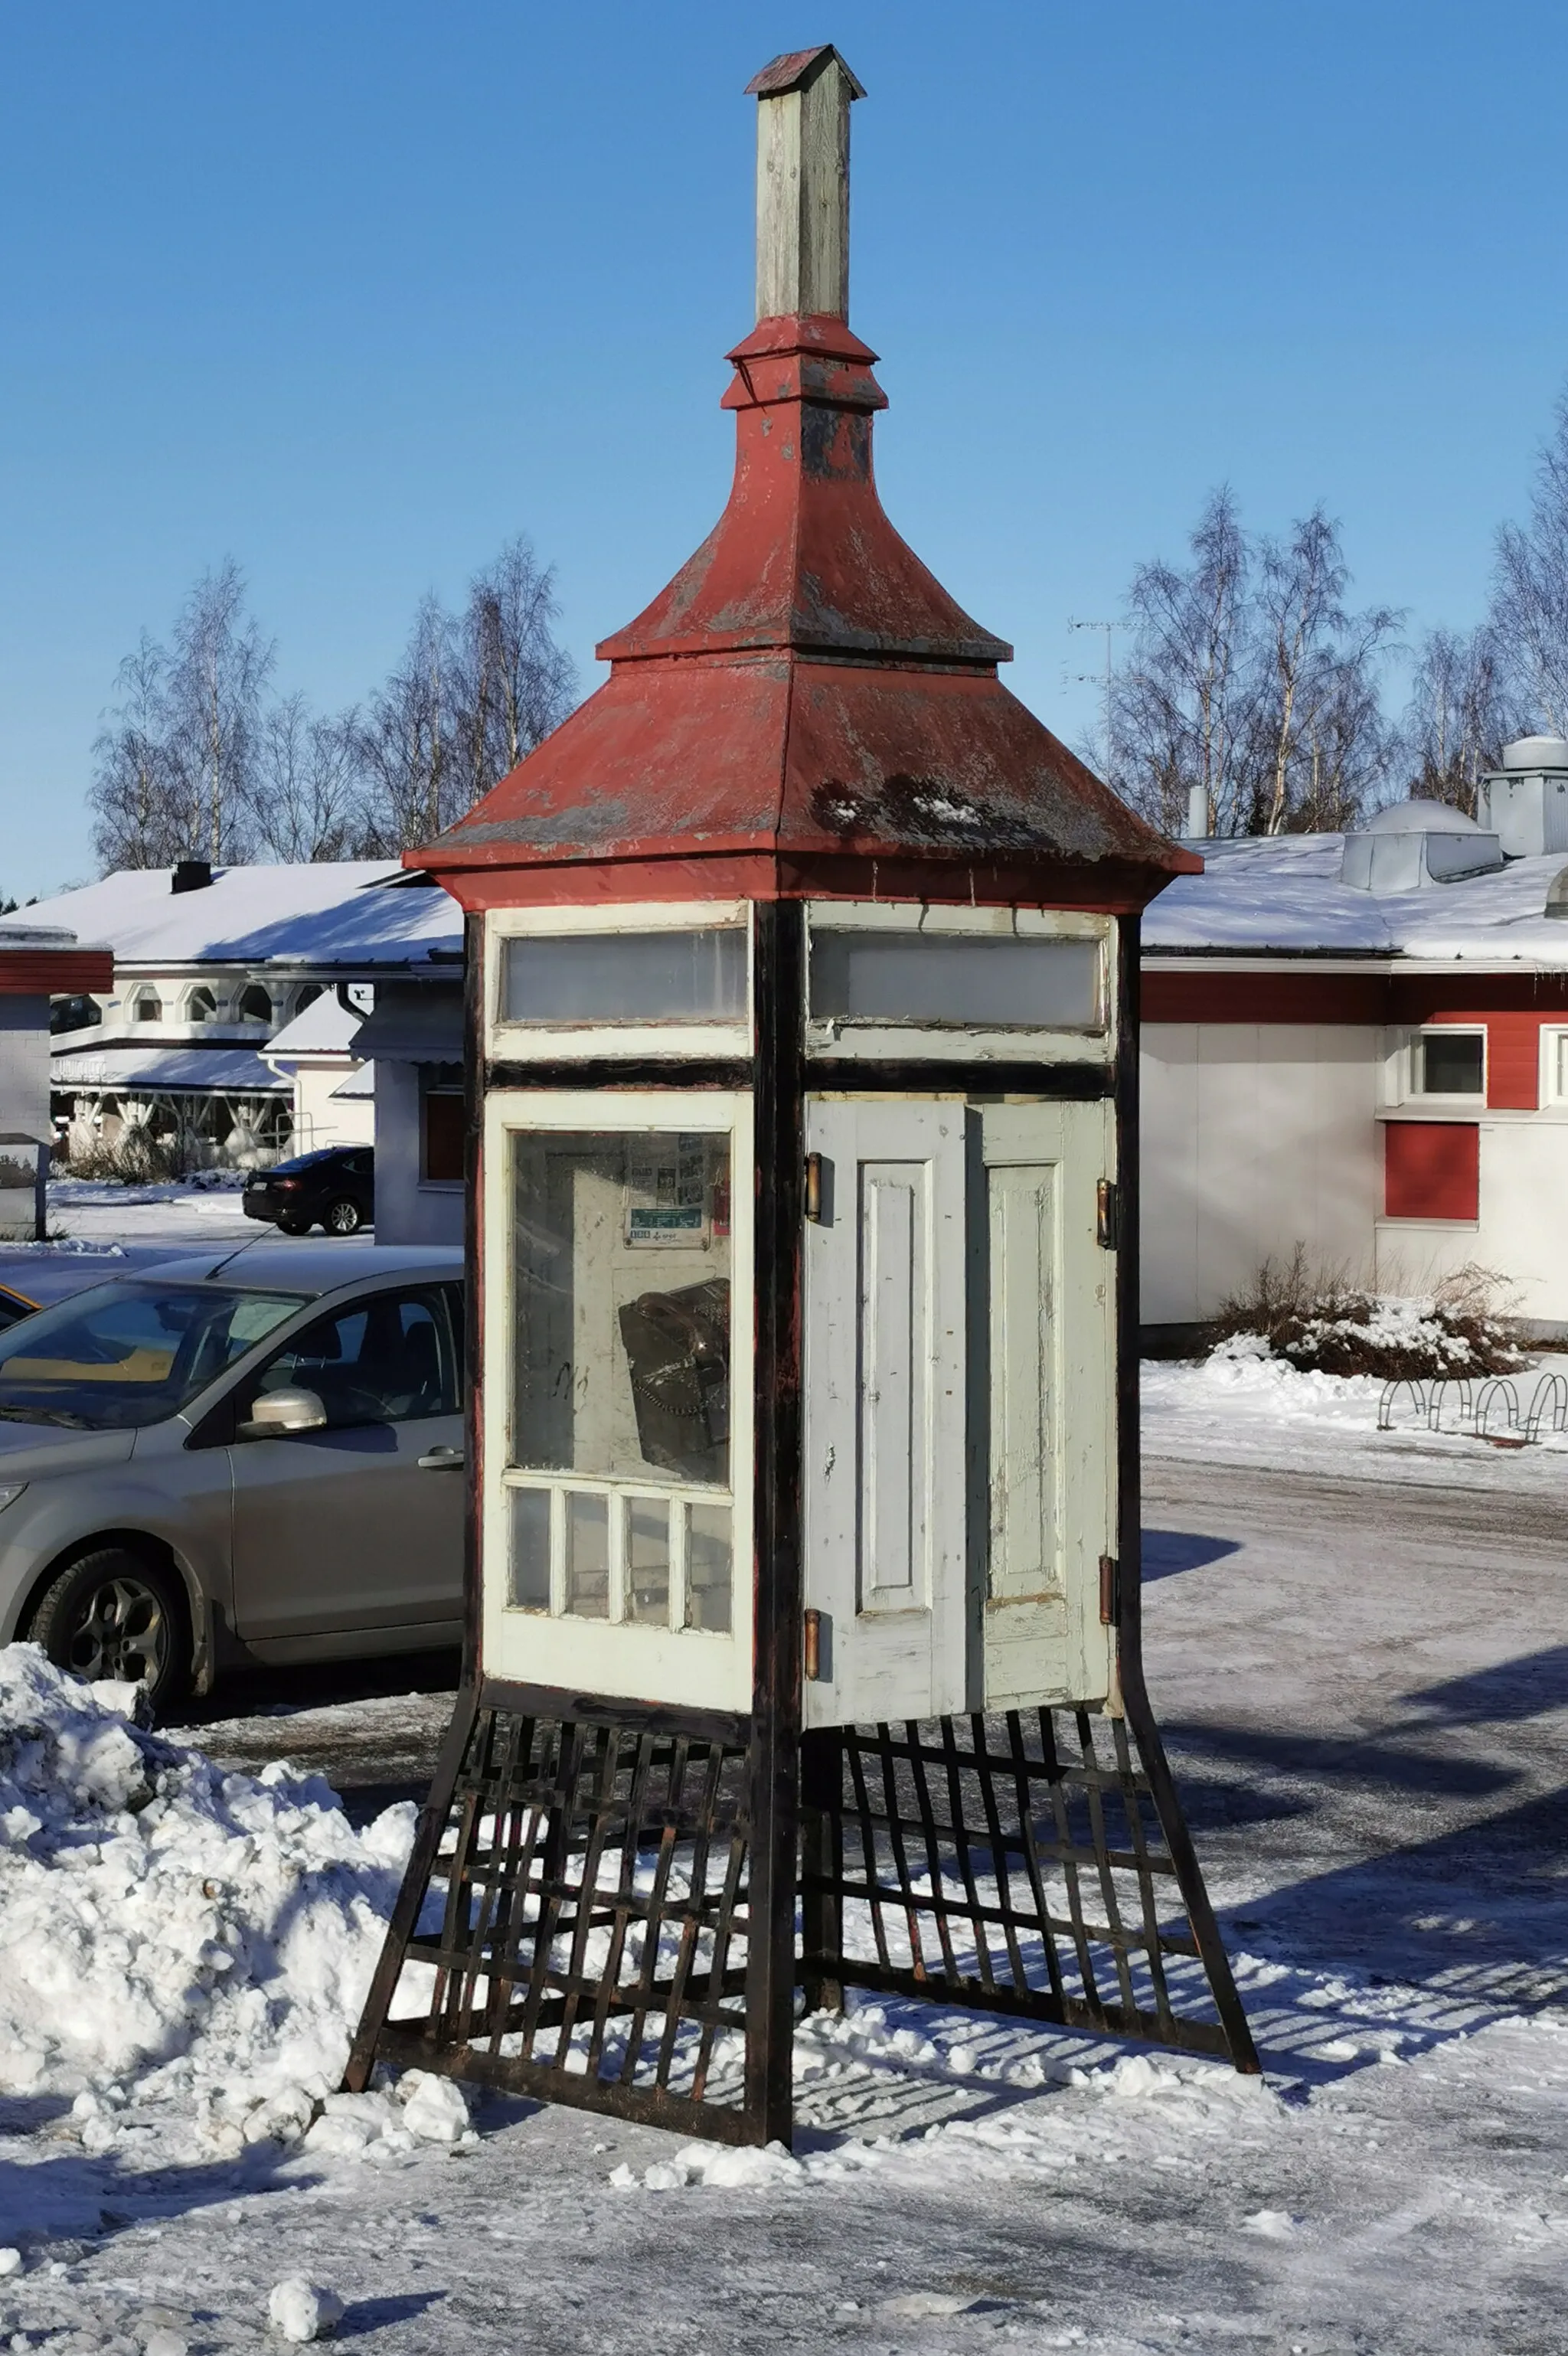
[(577, 1899), (1035, 1863)]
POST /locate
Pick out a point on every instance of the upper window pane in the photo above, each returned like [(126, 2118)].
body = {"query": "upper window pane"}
[(663, 977), (946, 979), (1451, 1062)]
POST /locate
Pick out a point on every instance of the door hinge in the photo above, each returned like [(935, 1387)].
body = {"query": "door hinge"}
[(819, 1189), (1110, 1591), (1108, 1220)]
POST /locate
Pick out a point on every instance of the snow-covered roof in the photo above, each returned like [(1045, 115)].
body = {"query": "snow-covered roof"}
[(352, 913), (1284, 893), (239, 1070), (325, 1027)]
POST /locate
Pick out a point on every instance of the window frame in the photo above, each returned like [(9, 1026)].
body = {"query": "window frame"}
[(698, 1667), (451, 1092), (1412, 1066), (879, 1038), (522, 1043)]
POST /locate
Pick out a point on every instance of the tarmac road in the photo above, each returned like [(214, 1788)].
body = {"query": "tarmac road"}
[(1345, 1671)]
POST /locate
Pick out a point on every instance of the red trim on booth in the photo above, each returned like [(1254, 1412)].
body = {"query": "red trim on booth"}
[(1432, 1170)]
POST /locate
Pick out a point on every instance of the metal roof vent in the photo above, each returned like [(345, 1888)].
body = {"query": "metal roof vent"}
[(1527, 799), (1411, 845)]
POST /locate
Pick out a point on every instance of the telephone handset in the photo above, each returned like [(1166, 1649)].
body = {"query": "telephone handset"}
[(678, 1354)]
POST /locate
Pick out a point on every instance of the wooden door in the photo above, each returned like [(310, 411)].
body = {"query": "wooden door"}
[(886, 1460)]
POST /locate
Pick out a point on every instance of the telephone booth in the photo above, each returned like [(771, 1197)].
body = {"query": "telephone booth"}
[(803, 1520)]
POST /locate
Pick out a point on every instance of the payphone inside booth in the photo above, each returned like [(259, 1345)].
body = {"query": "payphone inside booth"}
[(803, 1469)]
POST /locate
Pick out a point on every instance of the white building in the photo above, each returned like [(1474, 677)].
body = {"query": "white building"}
[(236, 996), (1361, 1043)]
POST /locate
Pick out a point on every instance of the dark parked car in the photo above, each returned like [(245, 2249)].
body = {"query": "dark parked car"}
[(335, 1189)]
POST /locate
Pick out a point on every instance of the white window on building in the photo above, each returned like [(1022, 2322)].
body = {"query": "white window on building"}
[(1448, 1061), (255, 1005), (146, 1006), (201, 1006)]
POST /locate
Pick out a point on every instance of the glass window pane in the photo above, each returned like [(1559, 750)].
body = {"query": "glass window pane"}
[(647, 1561), (664, 977), (587, 1555), (621, 1246), (1451, 1062), (941, 979), (388, 1360), (709, 1568), (530, 1550)]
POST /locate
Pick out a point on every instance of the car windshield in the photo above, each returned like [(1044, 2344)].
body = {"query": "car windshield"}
[(130, 1353)]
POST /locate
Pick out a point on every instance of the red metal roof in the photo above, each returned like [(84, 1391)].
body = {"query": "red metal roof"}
[(795, 68), (807, 698)]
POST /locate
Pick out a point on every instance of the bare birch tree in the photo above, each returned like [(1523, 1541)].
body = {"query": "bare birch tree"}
[(218, 668), (1179, 704), (305, 785), (1529, 617), (409, 763), (1249, 683), (140, 817), (514, 682), (1462, 710)]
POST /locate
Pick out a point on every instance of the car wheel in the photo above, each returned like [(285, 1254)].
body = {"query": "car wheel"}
[(114, 1614), (342, 1216), (291, 1223)]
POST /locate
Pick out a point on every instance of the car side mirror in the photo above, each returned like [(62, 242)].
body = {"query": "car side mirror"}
[(279, 1413)]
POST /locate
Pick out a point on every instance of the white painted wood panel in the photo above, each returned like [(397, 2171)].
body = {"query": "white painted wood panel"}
[(1050, 1298), (1025, 1546), (885, 1431)]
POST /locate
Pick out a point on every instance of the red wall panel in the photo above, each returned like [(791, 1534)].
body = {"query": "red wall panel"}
[(1432, 1170)]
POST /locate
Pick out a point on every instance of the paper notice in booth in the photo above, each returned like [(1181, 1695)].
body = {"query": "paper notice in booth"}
[(666, 1194)]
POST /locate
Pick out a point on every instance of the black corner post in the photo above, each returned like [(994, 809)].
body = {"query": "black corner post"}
[(778, 1592)]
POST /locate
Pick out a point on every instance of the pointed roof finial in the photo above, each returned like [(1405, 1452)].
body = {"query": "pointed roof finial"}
[(803, 184)]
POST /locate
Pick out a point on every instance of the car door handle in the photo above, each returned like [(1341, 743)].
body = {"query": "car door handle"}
[(442, 1459)]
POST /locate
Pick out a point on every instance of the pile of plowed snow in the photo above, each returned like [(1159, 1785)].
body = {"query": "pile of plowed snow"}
[(181, 1949)]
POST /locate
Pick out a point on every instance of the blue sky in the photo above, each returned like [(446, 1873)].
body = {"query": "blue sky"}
[(353, 292)]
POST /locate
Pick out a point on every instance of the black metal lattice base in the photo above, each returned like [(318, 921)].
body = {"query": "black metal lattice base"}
[(578, 1903), (1031, 1863), (575, 1919)]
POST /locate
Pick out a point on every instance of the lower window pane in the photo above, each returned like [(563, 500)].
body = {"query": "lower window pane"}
[(530, 1550), (647, 1561), (587, 1555), (709, 1568)]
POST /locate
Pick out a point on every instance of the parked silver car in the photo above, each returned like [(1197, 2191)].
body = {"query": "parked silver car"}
[(255, 1456)]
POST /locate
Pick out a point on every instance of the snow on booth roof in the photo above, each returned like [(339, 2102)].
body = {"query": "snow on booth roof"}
[(1284, 893), (351, 912)]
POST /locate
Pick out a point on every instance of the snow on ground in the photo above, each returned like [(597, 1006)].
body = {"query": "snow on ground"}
[(196, 1211), (1357, 1652), (1236, 1407), (178, 1946)]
